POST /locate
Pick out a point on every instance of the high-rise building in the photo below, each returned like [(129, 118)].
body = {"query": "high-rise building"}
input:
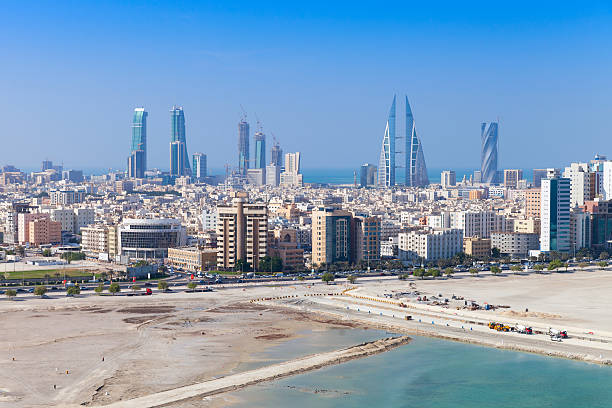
[(533, 202), (416, 170), (260, 150), (367, 175), (386, 162), (331, 236), (137, 162), (199, 166), (415, 167), (582, 183), (291, 176), (366, 233), (512, 177), (448, 178), (488, 155), (538, 175), (177, 134), (243, 147), (273, 172), (555, 215), (242, 233), (47, 165), (177, 159), (607, 180), (276, 154)]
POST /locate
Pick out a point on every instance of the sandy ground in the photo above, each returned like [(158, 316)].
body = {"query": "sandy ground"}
[(149, 343), (166, 341)]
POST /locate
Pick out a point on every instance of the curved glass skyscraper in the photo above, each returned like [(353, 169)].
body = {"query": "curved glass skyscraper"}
[(488, 155), (137, 162), (260, 150), (386, 163), (179, 161), (415, 167)]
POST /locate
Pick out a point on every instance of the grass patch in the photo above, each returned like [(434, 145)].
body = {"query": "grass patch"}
[(69, 273)]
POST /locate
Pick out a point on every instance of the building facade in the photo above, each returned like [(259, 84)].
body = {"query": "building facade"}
[(429, 244), (555, 215), (242, 233), (149, 238), (488, 153)]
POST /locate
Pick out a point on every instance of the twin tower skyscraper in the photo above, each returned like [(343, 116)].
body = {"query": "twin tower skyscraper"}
[(179, 159), (414, 165)]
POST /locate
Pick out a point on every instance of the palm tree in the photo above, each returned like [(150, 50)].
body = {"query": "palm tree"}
[(47, 276)]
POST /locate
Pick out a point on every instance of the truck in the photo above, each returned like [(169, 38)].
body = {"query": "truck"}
[(519, 328)]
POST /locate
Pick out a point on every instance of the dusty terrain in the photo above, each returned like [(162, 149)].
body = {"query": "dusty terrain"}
[(100, 350)]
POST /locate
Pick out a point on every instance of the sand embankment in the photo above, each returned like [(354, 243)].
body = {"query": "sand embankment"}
[(259, 375)]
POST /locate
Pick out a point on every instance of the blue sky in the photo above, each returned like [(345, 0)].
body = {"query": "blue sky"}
[(319, 75)]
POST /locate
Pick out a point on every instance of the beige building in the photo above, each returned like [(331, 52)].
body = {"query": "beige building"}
[(533, 202), (331, 236), (284, 245), (367, 232), (477, 247), (527, 226), (44, 231), (242, 232), (192, 258), (94, 239)]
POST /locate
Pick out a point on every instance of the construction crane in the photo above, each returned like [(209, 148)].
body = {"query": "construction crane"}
[(244, 114)]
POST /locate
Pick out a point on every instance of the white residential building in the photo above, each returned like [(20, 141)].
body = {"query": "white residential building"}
[(430, 244)]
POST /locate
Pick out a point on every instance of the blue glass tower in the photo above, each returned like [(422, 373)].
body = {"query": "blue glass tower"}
[(488, 155), (416, 169), (260, 150), (137, 162), (386, 163), (177, 134), (243, 147)]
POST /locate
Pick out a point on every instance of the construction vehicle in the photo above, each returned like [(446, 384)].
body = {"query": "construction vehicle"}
[(557, 333), (519, 328), (492, 325), (408, 317)]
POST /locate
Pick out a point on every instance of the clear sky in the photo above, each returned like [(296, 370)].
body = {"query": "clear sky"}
[(319, 75)]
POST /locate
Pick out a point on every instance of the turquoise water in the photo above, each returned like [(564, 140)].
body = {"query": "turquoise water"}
[(437, 373)]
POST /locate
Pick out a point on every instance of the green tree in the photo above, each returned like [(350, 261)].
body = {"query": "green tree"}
[(162, 270), (271, 264), (351, 279), (40, 290), (99, 289), (583, 264), (328, 277), (20, 250), (135, 288), (554, 264), (433, 272), (516, 268), (114, 288), (604, 255), (495, 270), (602, 264), (10, 293), (495, 253), (192, 285), (449, 272), (419, 272), (539, 267), (301, 278), (474, 271), (162, 285), (46, 253), (242, 265), (47, 276), (73, 290)]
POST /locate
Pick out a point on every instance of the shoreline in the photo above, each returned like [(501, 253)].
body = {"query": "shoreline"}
[(269, 373), (492, 340)]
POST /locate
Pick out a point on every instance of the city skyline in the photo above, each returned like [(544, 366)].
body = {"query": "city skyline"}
[(535, 85)]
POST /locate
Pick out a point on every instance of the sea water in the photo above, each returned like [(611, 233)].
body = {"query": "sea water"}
[(430, 373)]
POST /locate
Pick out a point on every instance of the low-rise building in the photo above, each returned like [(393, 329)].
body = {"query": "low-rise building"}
[(192, 258), (430, 244), (477, 247), (515, 243)]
